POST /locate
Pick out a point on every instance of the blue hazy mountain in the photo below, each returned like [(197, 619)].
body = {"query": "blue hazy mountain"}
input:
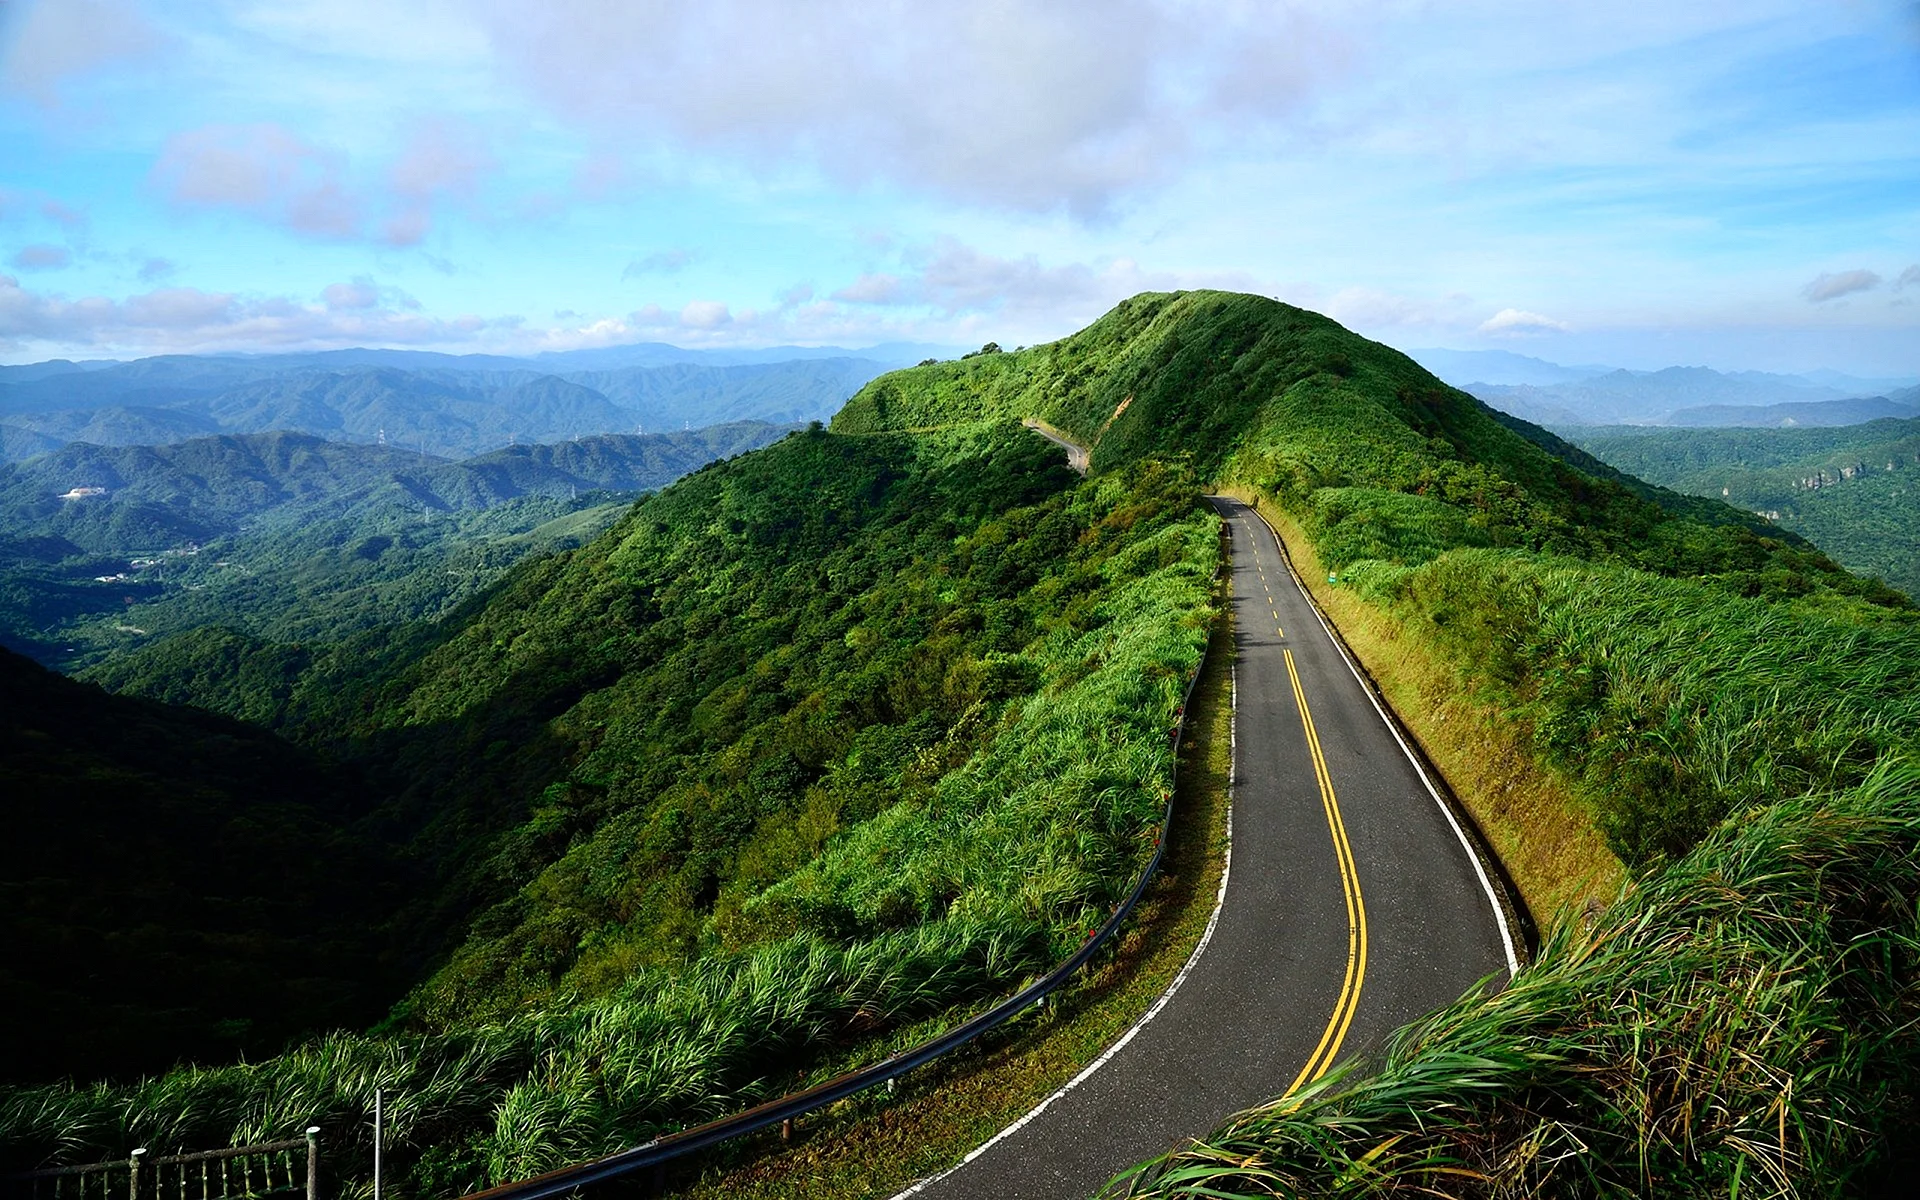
[(449, 405), (109, 499), (1462, 367), (1558, 396), (1689, 396)]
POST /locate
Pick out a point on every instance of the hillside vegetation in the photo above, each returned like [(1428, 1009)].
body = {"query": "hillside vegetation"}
[(838, 736), (1718, 698), (286, 537), (861, 728), (175, 884), (1853, 491)]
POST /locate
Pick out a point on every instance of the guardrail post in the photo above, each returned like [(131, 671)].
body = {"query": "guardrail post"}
[(133, 1173), (313, 1162)]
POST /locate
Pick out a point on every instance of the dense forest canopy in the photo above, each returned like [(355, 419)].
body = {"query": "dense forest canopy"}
[(1851, 490)]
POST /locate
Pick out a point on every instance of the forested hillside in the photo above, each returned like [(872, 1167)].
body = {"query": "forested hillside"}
[(176, 885), (838, 735), (287, 537), (1852, 490), (1722, 703)]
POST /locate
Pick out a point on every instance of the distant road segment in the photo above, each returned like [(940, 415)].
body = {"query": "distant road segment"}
[(1353, 904)]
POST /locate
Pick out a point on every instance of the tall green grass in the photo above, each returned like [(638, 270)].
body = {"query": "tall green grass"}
[(1669, 704), (1739, 1024)]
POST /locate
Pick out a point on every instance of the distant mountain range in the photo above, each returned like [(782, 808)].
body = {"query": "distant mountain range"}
[(287, 535), (438, 403), (108, 499), (1561, 397)]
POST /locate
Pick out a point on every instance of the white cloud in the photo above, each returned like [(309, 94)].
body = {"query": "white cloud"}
[(341, 297), (661, 262), (1826, 287), (1371, 308), (264, 169), (270, 172), (948, 290), (705, 314), (953, 279), (363, 293), (1518, 322), (1032, 104), (414, 36), (442, 160), (42, 258), (191, 320), (61, 215), (1911, 276), (59, 40), (873, 287), (16, 205)]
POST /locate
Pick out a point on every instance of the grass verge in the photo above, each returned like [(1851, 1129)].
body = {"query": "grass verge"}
[(1542, 833), (1738, 1023), (874, 1145)]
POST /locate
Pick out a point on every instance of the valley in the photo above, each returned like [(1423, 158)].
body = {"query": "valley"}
[(1851, 490), (289, 537)]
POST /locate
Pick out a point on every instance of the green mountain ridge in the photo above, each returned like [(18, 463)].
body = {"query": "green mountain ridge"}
[(1722, 702), (842, 736), (1852, 490), (838, 736)]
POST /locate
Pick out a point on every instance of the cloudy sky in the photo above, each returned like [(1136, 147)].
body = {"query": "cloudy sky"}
[(1637, 182)]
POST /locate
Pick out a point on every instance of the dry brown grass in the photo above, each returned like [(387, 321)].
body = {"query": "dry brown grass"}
[(1543, 834)]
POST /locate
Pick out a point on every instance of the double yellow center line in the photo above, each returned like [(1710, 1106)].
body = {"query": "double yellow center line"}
[(1336, 1032)]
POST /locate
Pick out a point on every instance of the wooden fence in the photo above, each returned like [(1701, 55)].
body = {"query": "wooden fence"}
[(239, 1173)]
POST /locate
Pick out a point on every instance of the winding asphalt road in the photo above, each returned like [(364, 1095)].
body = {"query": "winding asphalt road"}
[(1352, 905)]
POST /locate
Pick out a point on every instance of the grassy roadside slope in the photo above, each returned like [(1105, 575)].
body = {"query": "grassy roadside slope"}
[(877, 1144), (1669, 676)]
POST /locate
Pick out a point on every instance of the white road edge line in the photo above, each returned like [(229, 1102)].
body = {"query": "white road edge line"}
[(1219, 901), (1486, 884)]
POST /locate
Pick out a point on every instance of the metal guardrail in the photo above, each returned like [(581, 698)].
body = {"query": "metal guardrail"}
[(236, 1173), (662, 1150)]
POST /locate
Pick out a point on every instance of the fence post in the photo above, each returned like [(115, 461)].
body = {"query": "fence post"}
[(133, 1173), (313, 1162), (376, 1143)]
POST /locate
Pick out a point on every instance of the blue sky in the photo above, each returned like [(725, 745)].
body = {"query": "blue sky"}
[(1641, 184)]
